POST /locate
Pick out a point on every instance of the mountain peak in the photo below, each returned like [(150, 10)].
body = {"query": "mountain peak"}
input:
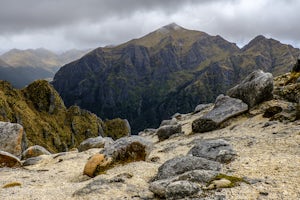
[(170, 27)]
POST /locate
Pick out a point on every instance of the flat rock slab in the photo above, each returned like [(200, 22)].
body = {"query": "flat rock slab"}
[(225, 108), (97, 142), (166, 131), (217, 150), (180, 165)]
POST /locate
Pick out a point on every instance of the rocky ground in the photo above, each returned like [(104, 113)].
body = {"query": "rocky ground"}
[(268, 156), (258, 150)]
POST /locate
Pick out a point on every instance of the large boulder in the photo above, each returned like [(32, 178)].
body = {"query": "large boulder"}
[(9, 160), (180, 165), (12, 138), (254, 89), (123, 150), (97, 142), (166, 131), (217, 150), (35, 151), (225, 108)]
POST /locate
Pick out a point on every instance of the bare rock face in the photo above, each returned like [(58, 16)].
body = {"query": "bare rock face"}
[(254, 89), (97, 142), (123, 150), (35, 151), (225, 108), (217, 150), (12, 138), (9, 160)]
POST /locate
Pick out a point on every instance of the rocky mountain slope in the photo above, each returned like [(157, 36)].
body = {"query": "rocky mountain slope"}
[(25, 66), (253, 154), (46, 120), (169, 70)]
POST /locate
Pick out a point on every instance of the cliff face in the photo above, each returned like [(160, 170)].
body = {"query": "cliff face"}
[(46, 120), (169, 70)]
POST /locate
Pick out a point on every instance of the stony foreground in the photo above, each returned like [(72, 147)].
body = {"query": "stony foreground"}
[(268, 157)]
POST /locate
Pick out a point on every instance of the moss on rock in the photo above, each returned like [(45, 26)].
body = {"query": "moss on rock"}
[(117, 128)]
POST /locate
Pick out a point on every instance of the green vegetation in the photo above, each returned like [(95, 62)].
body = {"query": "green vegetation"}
[(233, 179), (116, 128), (12, 184)]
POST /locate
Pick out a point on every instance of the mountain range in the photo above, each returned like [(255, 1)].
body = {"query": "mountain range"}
[(21, 67), (169, 70)]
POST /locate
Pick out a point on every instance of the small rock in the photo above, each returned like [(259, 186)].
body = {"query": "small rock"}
[(269, 123), (225, 108), (216, 150), (271, 111), (180, 165), (12, 138), (97, 142), (123, 150), (177, 116), (9, 160), (147, 132), (222, 183), (263, 193), (202, 107), (96, 161), (172, 121), (199, 176), (32, 161), (34, 151), (181, 189), (166, 131), (254, 89)]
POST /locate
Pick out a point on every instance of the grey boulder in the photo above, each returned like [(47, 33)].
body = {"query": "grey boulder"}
[(217, 150), (9, 160), (12, 138), (225, 108), (35, 151), (97, 142), (180, 165), (167, 131), (254, 89)]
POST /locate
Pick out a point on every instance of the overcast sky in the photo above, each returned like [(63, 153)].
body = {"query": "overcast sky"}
[(64, 24)]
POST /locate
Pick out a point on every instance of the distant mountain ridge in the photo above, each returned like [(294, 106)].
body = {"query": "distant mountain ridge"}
[(25, 66), (169, 70)]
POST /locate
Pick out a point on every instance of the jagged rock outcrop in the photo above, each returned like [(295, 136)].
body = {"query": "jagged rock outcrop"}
[(225, 107), (46, 120), (34, 151), (146, 80), (254, 89), (123, 150), (12, 138)]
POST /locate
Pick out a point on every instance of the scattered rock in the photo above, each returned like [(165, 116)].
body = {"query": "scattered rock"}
[(181, 189), (123, 150), (254, 89), (94, 163), (271, 111), (97, 142), (216, 150), (12, 138), (202, 107), (34, 151), (164, 132), (177, 116), (9, 160), (225, 108), (269, 123), (148, 132), (172, 121), (222, 183), (180, 165), (32, 161), (117, 128)]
